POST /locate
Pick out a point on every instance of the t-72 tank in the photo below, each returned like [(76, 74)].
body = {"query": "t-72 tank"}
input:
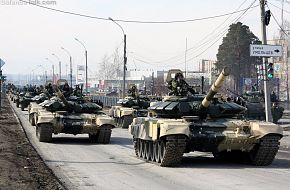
[(254, 102), (128, 108), (34, 106), (17, 97), (197, 122), (25, 100), (76, 116)]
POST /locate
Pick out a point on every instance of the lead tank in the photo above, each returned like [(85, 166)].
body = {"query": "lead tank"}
[(197, 122), (73, 116)]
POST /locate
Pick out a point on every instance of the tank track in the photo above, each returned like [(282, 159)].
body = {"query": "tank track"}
[(174, 146), (265, 151), (44, 132), (103, 136)]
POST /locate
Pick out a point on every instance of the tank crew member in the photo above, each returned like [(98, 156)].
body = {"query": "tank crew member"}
[(77, 91), (178, 86), (133, 91), (66, 90), (49, 89)]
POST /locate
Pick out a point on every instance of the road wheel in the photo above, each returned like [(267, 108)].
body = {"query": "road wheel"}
[(141, 148), (145, 150), (161, 150), (149, 150), (155, 152), (44, 132)]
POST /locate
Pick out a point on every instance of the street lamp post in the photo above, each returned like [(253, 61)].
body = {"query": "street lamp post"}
[(52, 69), (125, 57), (58, 65), (86, 55), (70, 64), (45, 72)]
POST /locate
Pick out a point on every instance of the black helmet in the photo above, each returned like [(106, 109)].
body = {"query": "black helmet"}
[(178, 75)]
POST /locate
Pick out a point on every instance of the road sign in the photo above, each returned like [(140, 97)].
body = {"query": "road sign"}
[(265, 50), (1, 63)]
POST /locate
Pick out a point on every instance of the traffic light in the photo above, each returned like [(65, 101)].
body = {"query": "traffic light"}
[(2, 78), (267, 17), (270, 71)]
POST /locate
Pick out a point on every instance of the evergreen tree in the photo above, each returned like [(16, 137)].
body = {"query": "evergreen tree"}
[(234, 52)]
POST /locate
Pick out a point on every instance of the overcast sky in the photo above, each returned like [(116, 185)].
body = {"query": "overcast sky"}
[(29, 34)]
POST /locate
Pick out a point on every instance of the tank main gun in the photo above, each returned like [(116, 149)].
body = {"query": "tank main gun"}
[(215, 88), (60, 95)]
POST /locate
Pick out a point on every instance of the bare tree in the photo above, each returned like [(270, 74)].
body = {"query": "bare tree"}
[(110, 69)]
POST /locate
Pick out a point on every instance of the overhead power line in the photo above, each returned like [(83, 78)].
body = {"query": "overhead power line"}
[(202, 46), (136, 21), (221, 34), (281, 28), (278, 7)]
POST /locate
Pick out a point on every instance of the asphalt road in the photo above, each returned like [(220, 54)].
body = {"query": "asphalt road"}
[(82, 165)]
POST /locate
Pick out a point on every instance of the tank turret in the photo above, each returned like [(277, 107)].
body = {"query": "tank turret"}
[(76, 104), (198, 104)]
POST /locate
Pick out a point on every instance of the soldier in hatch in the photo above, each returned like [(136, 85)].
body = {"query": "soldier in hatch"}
[(133, 91), (77, 91), (49, 89), (178, 86), (66, 90)]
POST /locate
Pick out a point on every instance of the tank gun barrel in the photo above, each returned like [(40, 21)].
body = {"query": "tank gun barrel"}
[(60, 95), (46, 93), (215, 87)]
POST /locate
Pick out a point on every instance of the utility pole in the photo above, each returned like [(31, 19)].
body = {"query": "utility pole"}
[(265, 60), (70, 65), (152, 87), (0, 85), (125, 66), (52, 73), (287, 76), (59, 65), (70, 62), (185, 66), (86, 54), (125, 57)]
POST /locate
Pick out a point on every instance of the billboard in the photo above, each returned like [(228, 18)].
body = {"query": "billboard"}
[(80, 74)]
